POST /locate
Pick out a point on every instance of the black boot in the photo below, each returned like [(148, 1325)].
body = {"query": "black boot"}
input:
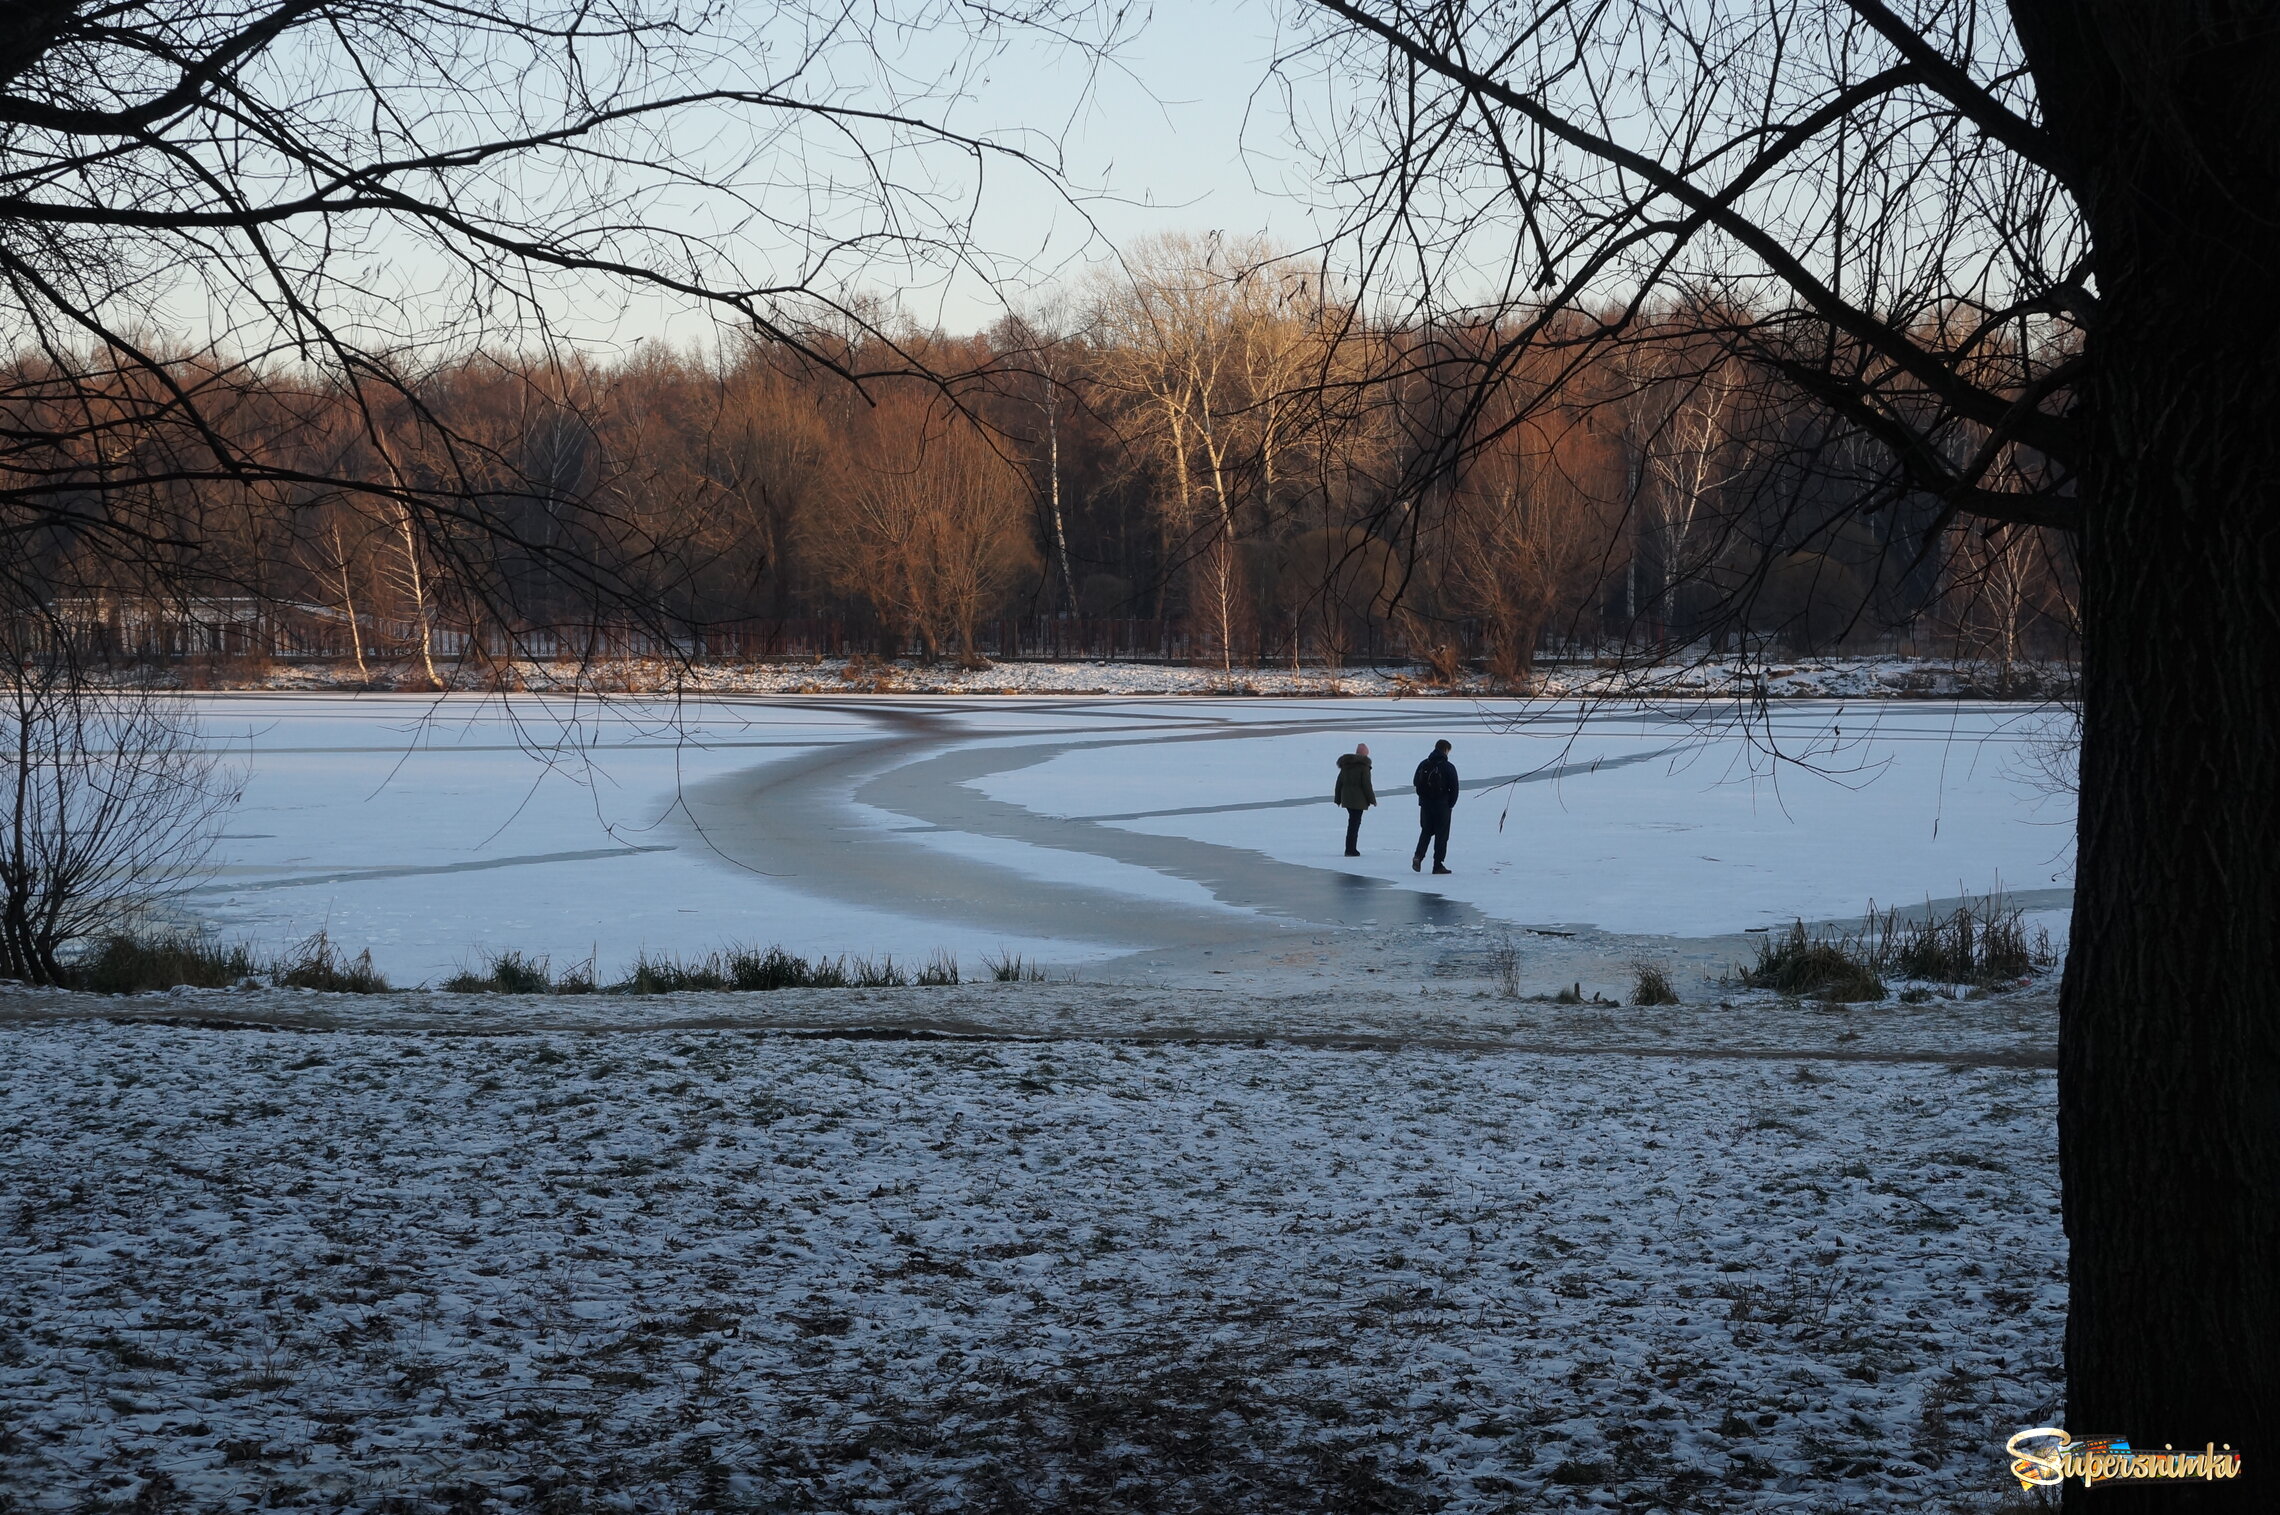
[(1417, 862), (1437, 868)]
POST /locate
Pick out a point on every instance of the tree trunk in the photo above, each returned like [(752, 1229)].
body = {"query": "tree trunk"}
[(17, 870), (1222, 555), (1053, 484), (2169, 1042), (1527, 630), (418, 584), (348, 605), (2169, 1039)]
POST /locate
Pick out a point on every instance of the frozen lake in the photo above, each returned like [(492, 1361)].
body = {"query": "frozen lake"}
[(1079, 829)]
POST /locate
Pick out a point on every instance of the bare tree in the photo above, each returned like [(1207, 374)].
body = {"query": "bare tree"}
[(109, 804), (929, 524), (2024, 254), (330, 554), (1685, 416), (1218, 348), (1527, 533), (1032, 370), (1167, 330), (221, 221)]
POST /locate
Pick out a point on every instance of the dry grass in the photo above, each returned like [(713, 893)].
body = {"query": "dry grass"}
[(1982, 942), (1650, 984), (1831, 966), (148, 964), (315, 963), (134, 965), (507, 972), (742, 970), (1504, 968), (1006, 967)]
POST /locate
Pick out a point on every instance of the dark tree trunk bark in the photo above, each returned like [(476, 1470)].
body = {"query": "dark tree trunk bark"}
[(2169, 1041)]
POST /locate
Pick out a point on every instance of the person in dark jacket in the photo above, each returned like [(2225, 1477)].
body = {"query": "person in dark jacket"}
[(1436, 783), (1354, 792)]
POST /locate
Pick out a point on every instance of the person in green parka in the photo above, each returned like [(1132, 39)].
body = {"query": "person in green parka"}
[(1354, 792)]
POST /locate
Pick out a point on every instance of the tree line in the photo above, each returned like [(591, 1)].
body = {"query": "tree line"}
[(1209, 436)]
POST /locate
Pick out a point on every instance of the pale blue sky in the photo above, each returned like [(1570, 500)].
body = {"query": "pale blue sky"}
[(1185, 132), (1181, 130)]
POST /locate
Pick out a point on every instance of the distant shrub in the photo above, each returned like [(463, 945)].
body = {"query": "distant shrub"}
[(136, 965), (1650, 985)]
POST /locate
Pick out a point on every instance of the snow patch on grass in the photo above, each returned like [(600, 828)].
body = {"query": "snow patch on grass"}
[(393, 1269)]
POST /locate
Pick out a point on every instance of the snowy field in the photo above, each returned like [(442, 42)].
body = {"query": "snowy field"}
[(1080, 831), (459, 1262)]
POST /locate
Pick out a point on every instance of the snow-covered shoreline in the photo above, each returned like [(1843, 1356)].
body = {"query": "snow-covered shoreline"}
[(1712, 679)]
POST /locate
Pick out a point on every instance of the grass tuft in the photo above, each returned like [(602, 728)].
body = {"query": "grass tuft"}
[(315, 963), (508, 972), (1820, 965), (941, 970), (666, 974), (1008, 968), (578, 979), (1650, 984), (880, 973), (1981, 942), (775, 968)]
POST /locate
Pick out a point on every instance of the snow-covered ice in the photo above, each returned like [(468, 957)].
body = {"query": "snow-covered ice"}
[(1638, 822), (1074, 830), (434, 830)]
